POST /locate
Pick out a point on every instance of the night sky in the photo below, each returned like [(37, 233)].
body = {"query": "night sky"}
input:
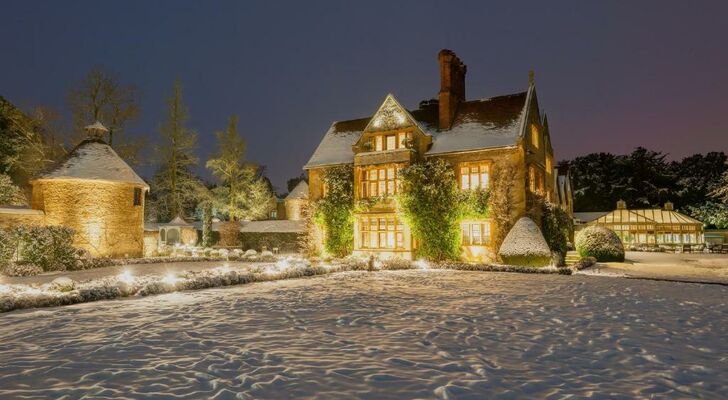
[(610, 75)]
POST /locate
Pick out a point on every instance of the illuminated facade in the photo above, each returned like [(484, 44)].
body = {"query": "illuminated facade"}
[(94, 192), (473, 136)]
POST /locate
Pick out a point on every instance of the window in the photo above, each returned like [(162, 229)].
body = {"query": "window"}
[(381, 232), (534, 136), (549, 165), (274, 215), (380, 181), (137, 196), (475, 233), (532, 178), (474, 175), (393, 141)]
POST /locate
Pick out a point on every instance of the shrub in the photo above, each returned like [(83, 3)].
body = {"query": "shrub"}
[(8, 246), (334, 212), (229, 234), (555, 224), (22, 269), (49, 247), (600, 243), (525, 245), (431, 204)]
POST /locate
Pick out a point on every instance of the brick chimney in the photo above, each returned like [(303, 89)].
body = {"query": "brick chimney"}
[(452, 86)]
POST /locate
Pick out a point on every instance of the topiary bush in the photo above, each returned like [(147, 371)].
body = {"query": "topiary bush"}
[(600, 243), (525, 245)]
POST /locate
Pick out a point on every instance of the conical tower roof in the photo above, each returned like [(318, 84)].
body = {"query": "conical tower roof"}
[(94, 159)]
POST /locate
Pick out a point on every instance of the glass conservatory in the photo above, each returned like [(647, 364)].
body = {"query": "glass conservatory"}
[(652, 226)]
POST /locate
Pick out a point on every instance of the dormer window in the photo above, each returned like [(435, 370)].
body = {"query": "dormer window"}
[(393, 141)]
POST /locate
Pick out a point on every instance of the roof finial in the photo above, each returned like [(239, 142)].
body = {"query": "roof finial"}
[(96, 130), (531, 78)]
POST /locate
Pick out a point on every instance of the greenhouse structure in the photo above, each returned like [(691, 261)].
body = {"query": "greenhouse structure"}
[(664, 226)]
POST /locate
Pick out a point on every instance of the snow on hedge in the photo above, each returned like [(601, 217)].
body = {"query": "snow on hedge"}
[(599, 242), (64, 291), (525, 245)]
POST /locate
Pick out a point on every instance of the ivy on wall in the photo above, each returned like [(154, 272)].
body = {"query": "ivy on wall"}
[(334, 212), (556, 225), (432, 206)]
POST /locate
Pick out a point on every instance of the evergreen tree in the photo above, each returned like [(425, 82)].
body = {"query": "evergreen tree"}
[(176, 189), (243, 193)]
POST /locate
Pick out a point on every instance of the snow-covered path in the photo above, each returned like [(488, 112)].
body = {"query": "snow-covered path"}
[(403, 334)]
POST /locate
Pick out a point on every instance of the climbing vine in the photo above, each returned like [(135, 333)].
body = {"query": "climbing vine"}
[(334, 212), (431, 204)]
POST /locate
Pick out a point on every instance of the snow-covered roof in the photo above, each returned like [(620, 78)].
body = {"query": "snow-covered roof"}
[(478, 124), (177, 221), (276, 225), (299, 192), (93, 159)]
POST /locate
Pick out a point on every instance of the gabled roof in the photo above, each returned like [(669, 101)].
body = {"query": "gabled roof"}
[(93, 159), (478, 124), (299, 192), (650, 215), (177, 221)]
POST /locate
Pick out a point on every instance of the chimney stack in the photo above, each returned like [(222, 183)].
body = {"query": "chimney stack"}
[(452, 86), (621, 205)]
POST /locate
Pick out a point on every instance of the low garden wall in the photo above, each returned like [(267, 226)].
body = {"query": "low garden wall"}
[(283, 241)]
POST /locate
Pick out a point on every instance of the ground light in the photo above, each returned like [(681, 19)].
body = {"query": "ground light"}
[(170, 279), (126, 277)]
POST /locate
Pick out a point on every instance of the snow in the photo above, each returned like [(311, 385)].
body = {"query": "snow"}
[(335, 148), (20, 210), (473, 136), (381, 335), (95, 160), (278, 226), (525, 239), (299, 192)]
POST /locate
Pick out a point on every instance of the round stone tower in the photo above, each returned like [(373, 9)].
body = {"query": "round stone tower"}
[(96, 193)]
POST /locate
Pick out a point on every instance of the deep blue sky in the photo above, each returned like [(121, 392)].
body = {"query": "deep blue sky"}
[(610, 75)]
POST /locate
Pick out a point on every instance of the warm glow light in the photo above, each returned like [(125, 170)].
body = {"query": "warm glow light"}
[(126, 277), (4, 289), (378, 264), (422, 264), (170, 279), (283, 264), (224, 269)]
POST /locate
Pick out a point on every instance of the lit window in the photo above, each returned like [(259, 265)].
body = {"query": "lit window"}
[(391, 142), (402, 139), (534, 136), (549, 165), (379, 143), (380, 182), (475, 233), (474, 175), (137, 196), (532, 178), (381, 233)]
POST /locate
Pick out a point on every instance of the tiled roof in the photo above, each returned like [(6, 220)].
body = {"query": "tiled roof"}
[(478, 124)]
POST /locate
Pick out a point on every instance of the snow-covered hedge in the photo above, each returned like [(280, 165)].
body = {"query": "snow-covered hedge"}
[(525, 245), (21, 269), (600, 243)]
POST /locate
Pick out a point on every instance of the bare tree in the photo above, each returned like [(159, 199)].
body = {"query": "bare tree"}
[(100, 97)]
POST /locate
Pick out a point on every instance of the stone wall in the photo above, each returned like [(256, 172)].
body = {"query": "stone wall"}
[(103, 214)]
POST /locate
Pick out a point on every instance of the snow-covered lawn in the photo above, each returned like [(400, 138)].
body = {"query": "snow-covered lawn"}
[(393, 334), (677, 266)]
